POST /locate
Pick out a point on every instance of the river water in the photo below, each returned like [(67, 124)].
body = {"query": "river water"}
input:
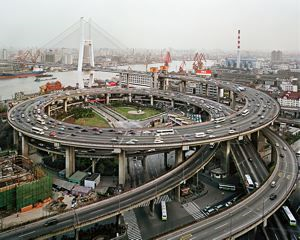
[(28, 85)]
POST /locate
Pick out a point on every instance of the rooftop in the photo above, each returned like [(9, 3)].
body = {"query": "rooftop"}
[(290, 95), (78, 176)]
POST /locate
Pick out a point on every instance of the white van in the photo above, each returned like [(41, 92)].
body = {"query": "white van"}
[(273, 184)]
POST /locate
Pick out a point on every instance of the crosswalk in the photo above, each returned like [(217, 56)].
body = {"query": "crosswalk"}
[(165, 198), (133, 230), (193, 209)]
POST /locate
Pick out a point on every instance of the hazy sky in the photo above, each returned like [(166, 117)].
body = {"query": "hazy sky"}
[(184, 24)]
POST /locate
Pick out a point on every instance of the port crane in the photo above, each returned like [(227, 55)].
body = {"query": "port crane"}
[(182, 68), (27, 58), (199, 60)]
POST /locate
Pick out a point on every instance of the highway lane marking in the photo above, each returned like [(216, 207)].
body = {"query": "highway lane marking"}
[(26, 234), (221, 225), (246, 213)]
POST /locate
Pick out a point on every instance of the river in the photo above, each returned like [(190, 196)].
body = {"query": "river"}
[(28, 85)]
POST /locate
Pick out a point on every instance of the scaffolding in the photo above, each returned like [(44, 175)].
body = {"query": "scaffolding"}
[(22, 183)]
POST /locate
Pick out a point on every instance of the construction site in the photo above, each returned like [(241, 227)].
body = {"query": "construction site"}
[(23, 185)]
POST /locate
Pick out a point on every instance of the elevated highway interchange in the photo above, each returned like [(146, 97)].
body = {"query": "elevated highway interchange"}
[(263, 110)]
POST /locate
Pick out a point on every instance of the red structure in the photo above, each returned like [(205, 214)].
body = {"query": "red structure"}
[(167, 59), (51, 87), (198, 61)]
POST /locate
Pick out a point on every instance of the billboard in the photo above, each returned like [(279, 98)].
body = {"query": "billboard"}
[(203, 72)]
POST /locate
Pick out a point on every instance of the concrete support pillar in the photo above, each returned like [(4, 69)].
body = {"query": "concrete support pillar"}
[(172, 103), (151, 207), (16, 138), (93, 165), (226, 161), (218, 94), (232, 98), (122, 167), (258, 141), (151, 100), (70, 161), (65, 105), (77, 234), (118, 220), (144, 164), (25, 147), (166, 160), (127, 81), (107, 98), (48, 110), (129, 98), (178, 156), (177, 193)]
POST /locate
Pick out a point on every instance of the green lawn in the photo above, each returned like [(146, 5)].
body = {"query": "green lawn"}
[(148, 112), (95, 121)]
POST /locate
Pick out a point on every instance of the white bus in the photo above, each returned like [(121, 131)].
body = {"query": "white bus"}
[(289, 216), (228, 187), (163, 211), (220, 119), (245, 112), (249, 182), (165, 131), (37, 130), (40, 121)]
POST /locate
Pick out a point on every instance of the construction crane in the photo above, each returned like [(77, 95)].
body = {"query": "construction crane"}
[(198, 61), (28, 58), (181, 68)]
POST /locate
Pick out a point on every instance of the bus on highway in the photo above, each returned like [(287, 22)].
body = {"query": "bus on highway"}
[(245, 112), (37, 130), (169, 131), (228, 187), (249, 182), (40, 121), (220, 119), (163, 211), (289, 216)]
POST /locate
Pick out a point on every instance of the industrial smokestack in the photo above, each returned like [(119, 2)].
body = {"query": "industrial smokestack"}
[(238, 58)]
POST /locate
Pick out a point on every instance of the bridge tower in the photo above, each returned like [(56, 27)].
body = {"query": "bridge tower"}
[(86, 51)]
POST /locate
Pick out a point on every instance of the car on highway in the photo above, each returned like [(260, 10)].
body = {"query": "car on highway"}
[(50, 222), (200, 135), (158, 141), (273, 184), (277, 144), (284, 148), (231, 131), (45, 128), (273, 196), (52, 134)]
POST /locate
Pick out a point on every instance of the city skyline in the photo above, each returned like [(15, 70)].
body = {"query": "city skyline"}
[(157, 25)]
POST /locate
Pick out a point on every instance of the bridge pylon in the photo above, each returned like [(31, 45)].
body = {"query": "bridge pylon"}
[(86, 50)]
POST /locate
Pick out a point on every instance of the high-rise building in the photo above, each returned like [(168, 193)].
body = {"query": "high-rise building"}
[(4, 54), (50, 57), (276, 56)]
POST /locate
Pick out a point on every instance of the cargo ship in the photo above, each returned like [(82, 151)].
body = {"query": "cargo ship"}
[(39, 79), (36, 72)]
